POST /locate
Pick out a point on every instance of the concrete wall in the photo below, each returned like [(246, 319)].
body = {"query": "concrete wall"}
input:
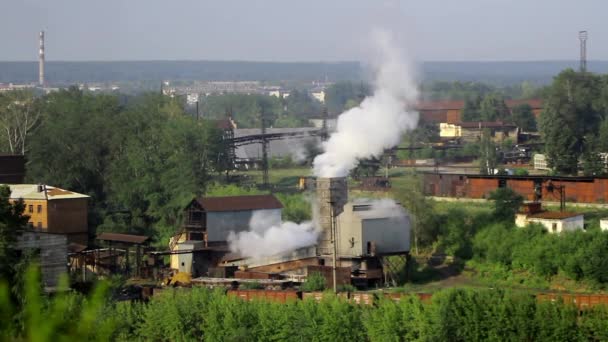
[(70, 217), (53, 252), (220, 224), (390, 235), (604, 224)]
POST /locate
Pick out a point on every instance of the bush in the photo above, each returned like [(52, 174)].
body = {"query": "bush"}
[(314, 282)]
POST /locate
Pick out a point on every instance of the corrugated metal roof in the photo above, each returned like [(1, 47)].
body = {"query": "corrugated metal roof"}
[(459, 104), (554, 215), (30, 192), (115, 237), (238, 203)]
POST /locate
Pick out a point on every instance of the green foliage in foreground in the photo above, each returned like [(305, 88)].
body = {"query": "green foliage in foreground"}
[(580, 255), (202, 314)]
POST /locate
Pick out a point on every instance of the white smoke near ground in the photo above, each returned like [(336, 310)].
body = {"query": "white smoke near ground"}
[(268, 236), (379, 121)]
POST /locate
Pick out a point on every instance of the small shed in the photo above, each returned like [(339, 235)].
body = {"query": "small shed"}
[(119, 243), (553, 221), (604, 224)]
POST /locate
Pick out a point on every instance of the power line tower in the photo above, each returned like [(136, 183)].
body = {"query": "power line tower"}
[(582, 36)]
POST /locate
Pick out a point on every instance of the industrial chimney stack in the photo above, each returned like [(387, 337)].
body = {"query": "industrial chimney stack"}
[(332, 195), (41, 61)]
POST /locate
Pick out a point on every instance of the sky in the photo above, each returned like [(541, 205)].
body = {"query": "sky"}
[(300, 30)]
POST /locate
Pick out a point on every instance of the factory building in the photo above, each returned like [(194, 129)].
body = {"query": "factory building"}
[(365, 229), (54, 210), (211, 219), (208, 221), (532, 188)]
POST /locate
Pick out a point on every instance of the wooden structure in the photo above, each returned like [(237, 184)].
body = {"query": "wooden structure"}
[(120, 244)]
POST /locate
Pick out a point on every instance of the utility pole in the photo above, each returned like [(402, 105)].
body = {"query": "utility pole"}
[(582, 36), (197, 113), (265, 180), (334, 239)]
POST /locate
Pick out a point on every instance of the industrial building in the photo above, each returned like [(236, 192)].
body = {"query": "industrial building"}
[(473, 131), (553, 221), (437, 112), (208, 221), (532, 188), (356, 238), (54, 210)]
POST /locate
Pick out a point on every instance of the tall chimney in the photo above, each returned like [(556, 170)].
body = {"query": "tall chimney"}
[(332, 195), (41, 61)]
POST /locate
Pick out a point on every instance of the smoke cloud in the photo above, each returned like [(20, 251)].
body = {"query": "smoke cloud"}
[(268, 236), (379, 121)]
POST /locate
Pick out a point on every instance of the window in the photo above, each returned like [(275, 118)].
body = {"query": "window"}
[(30, 208), (39, 209), (554, 227)]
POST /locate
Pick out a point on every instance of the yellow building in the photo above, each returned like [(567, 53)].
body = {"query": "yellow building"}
[(54, 210)]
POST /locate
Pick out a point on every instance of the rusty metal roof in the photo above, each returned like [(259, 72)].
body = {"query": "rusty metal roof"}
[(126, 238), (554, 215), (238, 203), (459, 104)]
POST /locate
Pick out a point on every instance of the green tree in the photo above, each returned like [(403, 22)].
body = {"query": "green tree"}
[(524, 118), (602, 139), (12, 221), (338, 95), (19, 114), (571, 113), (472, 109), (409, 191), (506, 203), (493, 108)]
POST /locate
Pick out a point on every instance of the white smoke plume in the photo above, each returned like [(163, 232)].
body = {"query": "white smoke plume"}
[(379, 121), (268, 236)]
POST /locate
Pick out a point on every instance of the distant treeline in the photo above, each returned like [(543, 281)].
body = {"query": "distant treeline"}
[(497, 73), (136, 71)]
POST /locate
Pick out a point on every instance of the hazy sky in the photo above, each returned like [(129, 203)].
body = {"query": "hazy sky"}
[(300, 30)]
